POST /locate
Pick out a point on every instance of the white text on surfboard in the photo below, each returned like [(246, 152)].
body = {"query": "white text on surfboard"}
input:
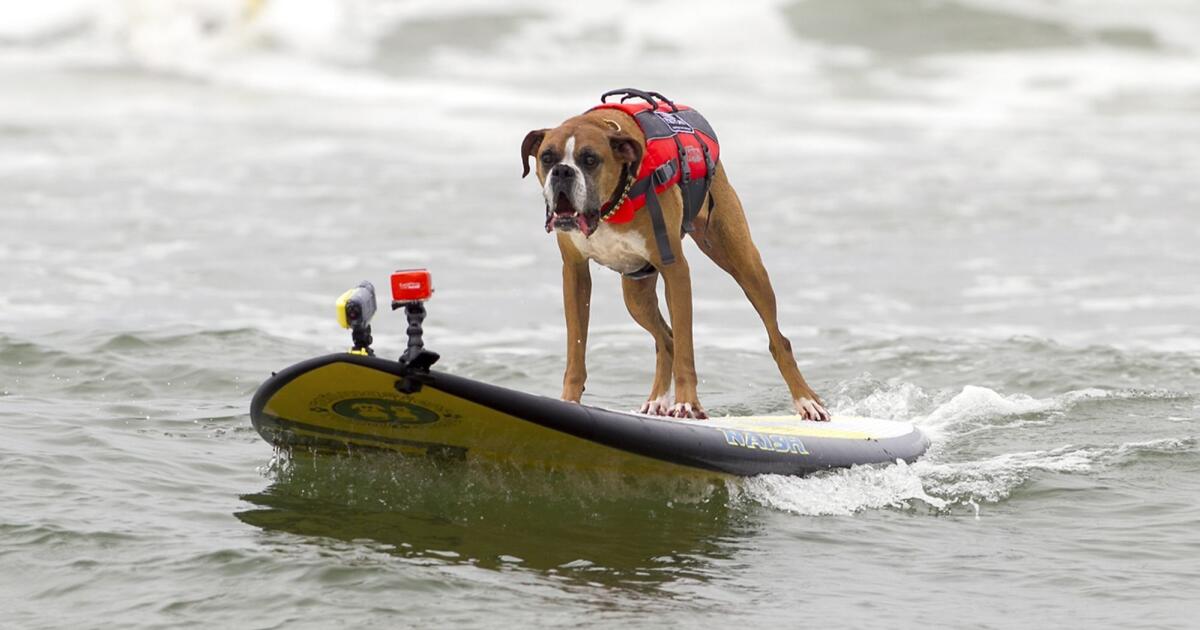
[(765, 441)]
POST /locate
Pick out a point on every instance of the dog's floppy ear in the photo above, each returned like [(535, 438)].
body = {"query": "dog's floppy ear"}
[(626, 148), (532, 141)]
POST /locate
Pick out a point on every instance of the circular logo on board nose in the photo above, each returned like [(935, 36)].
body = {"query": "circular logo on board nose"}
[(383, 411)]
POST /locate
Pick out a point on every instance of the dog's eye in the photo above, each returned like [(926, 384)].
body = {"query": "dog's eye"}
[(548, 158), (590, 160)]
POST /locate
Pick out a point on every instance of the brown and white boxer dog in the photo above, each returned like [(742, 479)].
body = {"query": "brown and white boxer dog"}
[(579, 164)]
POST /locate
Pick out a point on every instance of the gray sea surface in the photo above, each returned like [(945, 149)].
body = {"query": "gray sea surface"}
[(980, 216)]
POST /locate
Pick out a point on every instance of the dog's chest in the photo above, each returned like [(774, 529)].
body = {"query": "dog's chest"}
[(622, 251)]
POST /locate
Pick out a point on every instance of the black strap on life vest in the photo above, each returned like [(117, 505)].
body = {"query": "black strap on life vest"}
[(685, 186), (695, 192), (646, 186)]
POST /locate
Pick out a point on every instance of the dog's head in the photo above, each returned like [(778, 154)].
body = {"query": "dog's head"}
[(579, 165)]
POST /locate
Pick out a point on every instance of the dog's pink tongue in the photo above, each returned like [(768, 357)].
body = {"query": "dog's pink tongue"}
[(583, 224)]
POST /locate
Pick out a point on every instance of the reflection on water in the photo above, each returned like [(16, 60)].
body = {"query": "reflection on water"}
[(597, 528)]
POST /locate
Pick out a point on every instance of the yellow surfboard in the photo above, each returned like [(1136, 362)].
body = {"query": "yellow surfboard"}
[(343, 402)]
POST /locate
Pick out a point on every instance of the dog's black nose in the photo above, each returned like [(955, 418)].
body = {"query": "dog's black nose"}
[(562, 171)]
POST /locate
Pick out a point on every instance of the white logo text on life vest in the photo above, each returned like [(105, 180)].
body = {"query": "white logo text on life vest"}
[(675, 123)]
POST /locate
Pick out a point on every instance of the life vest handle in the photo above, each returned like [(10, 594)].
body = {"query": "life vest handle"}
[(653, 98)]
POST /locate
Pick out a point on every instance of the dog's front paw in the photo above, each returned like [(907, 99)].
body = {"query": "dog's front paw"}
[(687, 410), (655, 406), (810, 409)]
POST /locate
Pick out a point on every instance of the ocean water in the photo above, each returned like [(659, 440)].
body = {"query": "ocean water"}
[(981, 216)]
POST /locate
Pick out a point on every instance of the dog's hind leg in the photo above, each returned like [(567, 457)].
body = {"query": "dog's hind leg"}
[(641, 298), (724, 236)]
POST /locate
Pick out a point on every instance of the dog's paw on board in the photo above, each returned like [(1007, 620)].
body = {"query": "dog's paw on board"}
[(655, 406), (812, 410), (688, 410)]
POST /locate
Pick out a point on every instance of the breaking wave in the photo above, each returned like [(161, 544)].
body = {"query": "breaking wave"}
[(975, 53)]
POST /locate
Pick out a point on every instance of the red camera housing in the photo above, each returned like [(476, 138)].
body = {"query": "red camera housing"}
[(412, 285)]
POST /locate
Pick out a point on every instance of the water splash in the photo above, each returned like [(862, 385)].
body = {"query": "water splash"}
[(841, 492), (941, 485), (979, 404)]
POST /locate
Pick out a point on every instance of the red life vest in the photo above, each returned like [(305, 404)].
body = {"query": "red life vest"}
[(681, 149), (671, 131)]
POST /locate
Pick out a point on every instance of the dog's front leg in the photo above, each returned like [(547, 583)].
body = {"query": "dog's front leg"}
[(678, 280), (577, 298)]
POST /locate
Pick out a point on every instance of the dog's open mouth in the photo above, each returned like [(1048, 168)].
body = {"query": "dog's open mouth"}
[(564, 216)]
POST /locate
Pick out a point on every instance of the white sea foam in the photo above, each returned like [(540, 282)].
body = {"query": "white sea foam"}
[(937, 485), (1001, 286), (838, 493), (901, 402), (978, 408), (330, 48), (505, 336), (514, 261), (994, 479), (976, 403), (974, 407), (300, 327), (1189, 345), (940, 484), (1138, 302)]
